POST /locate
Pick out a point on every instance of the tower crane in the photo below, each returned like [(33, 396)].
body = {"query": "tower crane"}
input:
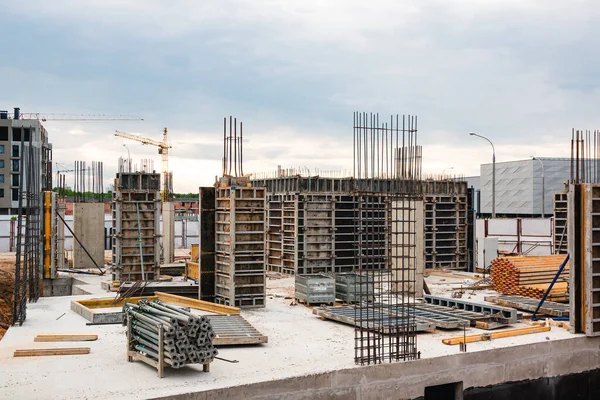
[(163, 150)]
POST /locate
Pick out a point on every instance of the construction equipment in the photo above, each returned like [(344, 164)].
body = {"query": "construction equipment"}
[(163, 150)]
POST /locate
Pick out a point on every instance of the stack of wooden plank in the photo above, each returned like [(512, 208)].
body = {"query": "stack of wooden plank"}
[(530, 276)]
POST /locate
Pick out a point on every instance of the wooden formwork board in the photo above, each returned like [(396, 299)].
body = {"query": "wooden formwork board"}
[(51, 352), (95, 310)]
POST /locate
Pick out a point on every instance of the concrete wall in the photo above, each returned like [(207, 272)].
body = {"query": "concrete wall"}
[(408, 380), (89, 228)]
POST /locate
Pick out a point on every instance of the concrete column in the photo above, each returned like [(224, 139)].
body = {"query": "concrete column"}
[(88, 221), (168, 220)]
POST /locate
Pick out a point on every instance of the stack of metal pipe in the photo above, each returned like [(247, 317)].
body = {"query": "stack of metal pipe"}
[(187, 337)]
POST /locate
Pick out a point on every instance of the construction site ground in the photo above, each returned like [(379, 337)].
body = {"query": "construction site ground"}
[(299, 344)]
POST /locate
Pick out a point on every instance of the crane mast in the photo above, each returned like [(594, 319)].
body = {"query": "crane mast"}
[(163, 150)]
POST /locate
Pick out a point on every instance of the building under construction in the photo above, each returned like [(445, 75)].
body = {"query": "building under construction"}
[(232, 218), (311, 222)]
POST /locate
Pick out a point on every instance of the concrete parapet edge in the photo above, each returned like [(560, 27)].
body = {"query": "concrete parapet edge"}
[(407, 380)]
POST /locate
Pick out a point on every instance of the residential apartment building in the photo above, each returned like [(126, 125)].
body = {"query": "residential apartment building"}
[(16, 165)]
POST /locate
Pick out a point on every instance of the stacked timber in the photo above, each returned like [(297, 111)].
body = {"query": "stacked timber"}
[(530, 276)]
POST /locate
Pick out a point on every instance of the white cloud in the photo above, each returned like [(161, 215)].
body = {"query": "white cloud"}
[(520, 72)]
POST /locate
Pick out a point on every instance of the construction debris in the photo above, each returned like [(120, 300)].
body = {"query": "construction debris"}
[(163, 333)]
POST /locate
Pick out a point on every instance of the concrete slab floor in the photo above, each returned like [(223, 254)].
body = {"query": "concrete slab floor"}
[(299, 344)]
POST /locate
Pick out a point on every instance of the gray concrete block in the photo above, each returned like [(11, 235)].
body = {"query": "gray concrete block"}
[(57, 287), (88, 219)]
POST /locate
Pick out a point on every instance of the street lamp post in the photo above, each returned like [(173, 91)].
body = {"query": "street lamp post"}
[(128, 156), (493, 173), (446, 169), (543, 189)]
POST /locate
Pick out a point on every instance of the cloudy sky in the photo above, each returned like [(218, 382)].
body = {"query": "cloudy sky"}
[(521, 72)]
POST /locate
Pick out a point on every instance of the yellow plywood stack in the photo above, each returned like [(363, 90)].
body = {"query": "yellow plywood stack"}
[(530, 276)]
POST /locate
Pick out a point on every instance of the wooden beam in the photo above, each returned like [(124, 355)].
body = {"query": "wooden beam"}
[(197, 304), (496, 335), (110, 302), (51, 352), (65, 338)]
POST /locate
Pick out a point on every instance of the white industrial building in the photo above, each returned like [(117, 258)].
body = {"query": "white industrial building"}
[(519, 186)]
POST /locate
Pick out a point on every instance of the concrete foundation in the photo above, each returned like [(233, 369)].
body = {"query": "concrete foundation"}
[(168, 232), (62, 286), (89, 228), (410, 380), (305, 357)]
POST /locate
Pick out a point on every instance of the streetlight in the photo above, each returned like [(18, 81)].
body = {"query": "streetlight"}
[(493, 173), (446, 169), (543, 192), (128, 156)]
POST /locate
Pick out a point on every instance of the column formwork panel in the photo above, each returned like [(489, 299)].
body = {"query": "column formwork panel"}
[(136, 227), (240, 247)]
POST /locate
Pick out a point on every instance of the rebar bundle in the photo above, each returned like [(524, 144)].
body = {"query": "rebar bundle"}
[(27, 272), (232, 149), (186, 338), (89, 182)]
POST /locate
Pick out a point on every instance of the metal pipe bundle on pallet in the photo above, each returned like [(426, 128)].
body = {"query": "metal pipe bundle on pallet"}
[(159, 333)]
